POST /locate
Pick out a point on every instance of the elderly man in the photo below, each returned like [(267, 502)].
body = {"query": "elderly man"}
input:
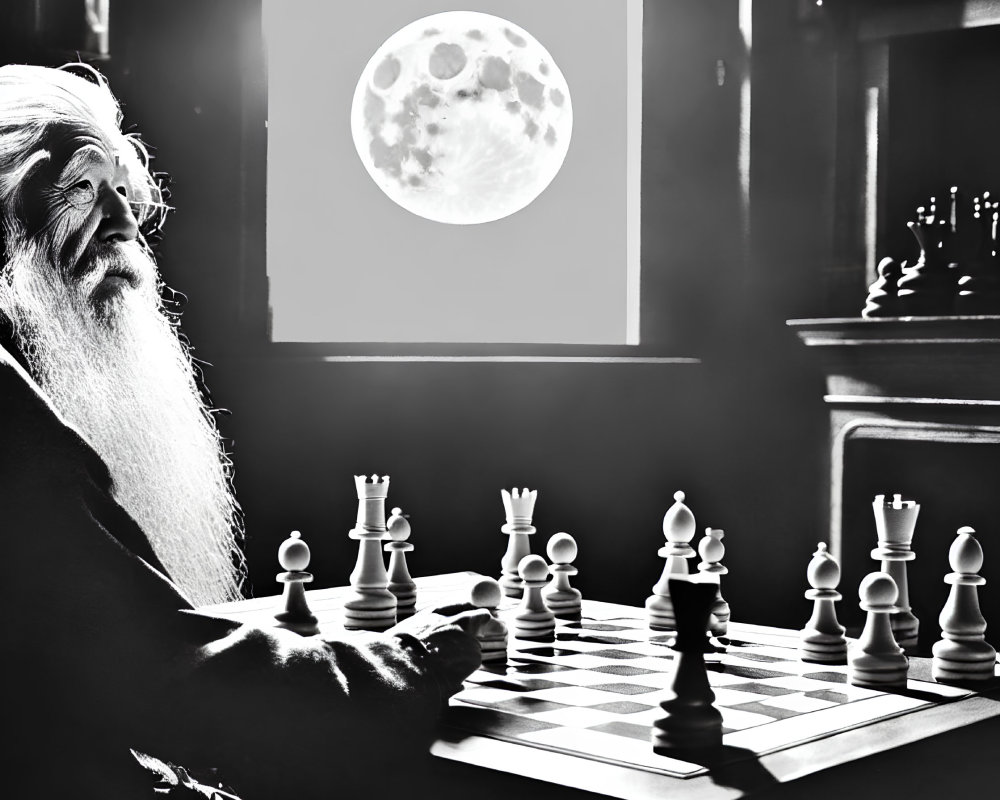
[(118, 516)]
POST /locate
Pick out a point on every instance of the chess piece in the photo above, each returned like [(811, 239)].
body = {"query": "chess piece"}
[(533, 619), (691, 721), (371, 605), (979, 287), (518, 508), (822, 640), (711, 549), (895, 521), (293, 555), (562, 599), (875, 660), (492, 637), (400, 582), (928, 287), (679, 529), (963, 653), (883, 300)]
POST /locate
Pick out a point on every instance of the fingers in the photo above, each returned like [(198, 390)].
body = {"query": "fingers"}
[(453, 609), (449, 634), (456, 653), (415, 625), (465, 616), (471, 622), (428, 618)]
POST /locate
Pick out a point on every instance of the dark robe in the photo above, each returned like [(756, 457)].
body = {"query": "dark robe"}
[(102, 653)]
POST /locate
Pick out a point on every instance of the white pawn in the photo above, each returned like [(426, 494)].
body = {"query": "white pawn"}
[(963, 653), (293, 555), (492, 637), (678, 528), (875, 660), (400, 582), (711, 549), (562, 599), (822, 640), (533, 619)]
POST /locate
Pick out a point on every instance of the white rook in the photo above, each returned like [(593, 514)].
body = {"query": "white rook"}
[(895, 522), (371, 606)]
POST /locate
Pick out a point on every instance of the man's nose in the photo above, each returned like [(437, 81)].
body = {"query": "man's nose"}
[(117, 220)]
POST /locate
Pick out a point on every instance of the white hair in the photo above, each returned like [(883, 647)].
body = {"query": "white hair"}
[(119, 373)]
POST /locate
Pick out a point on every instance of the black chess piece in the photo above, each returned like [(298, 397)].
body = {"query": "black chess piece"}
[(691, 721), (928, 287), (979, 286), (883, 294)]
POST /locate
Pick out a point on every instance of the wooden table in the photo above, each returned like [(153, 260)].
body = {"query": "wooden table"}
[(912, 751)]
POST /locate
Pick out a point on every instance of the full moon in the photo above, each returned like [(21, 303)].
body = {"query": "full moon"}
[(462, 117)]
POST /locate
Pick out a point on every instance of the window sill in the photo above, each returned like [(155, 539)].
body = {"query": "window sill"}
[(486, 353)]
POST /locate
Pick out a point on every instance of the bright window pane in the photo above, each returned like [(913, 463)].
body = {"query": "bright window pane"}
[(346, 263)]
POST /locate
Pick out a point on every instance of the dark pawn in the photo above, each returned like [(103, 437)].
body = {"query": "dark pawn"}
[(883, 298), (979, 287), (691, 721)]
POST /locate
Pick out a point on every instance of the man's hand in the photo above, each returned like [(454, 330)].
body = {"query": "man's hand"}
[(449, 634)]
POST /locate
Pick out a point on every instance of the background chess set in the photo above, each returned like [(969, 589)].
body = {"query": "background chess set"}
[(957, 270)]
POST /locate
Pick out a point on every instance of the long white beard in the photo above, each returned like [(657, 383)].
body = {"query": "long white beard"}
[(122, 377)]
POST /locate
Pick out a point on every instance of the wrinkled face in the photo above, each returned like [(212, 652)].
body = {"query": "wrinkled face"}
[(82, 204)]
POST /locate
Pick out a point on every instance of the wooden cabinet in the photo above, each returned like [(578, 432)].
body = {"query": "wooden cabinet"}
[(905, 398)]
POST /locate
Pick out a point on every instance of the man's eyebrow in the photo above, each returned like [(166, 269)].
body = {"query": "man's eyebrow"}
[(84, 158)]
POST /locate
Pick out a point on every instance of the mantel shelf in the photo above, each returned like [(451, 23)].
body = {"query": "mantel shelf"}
[(886, 331), (949, 361), (916, 379)]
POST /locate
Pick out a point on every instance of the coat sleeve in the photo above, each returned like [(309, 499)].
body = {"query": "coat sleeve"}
[(102, 652)]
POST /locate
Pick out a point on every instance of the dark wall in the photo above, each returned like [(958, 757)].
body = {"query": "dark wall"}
[(606, 445), (940, 131)]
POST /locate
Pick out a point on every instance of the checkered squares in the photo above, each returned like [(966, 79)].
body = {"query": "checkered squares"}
[(595, 691)]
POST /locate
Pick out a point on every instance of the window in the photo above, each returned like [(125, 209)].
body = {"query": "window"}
[(347, 263)]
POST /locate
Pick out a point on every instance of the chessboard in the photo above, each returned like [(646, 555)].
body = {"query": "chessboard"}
[(594, 692), (577, 711)]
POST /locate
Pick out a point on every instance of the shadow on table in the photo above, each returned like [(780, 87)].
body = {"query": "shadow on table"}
[(734, 767)]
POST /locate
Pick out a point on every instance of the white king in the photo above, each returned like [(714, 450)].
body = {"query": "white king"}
[(372, 497), (519, 507)]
